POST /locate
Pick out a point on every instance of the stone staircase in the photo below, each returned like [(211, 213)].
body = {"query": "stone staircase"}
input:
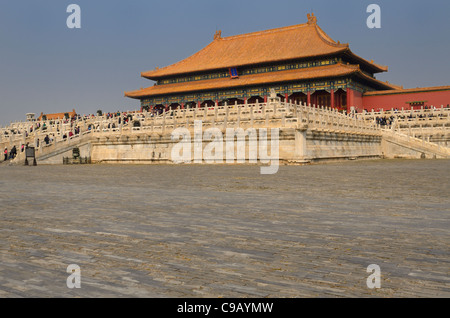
[(55, 150), (424, 148)]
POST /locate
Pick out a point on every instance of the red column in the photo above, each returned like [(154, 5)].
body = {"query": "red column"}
[(182, 105), (286, 96), (198, 104), (332, 98), (308, 98), (265, 98), (349, 99), (167, 107)]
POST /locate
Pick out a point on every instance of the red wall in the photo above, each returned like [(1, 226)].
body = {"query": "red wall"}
[(358, 101), (354, 99), (390, 101)]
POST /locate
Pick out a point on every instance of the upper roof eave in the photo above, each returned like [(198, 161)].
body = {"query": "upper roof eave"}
[(304, 41), (375, 67)]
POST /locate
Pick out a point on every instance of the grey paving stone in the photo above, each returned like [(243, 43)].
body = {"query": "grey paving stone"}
[(226, 231)]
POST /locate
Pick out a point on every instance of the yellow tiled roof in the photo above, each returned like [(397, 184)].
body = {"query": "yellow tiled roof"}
[(275, 45), (286, 43)]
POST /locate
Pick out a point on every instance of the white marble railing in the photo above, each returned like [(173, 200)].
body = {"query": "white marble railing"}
[(272, 114), (410, 113), (27, 132)]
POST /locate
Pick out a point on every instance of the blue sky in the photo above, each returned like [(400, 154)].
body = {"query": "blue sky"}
[(46, 67)]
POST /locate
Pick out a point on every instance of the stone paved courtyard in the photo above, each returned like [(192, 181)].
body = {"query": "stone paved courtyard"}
[(226, 231)]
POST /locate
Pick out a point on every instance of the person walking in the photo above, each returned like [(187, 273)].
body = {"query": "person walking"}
[(6, 154), (13, 152)]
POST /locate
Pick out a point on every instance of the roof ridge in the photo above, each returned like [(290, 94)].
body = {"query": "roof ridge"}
[(268, 31)]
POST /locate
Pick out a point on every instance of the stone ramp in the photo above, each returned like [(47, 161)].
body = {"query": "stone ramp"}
[(54, 154), (400, 145)]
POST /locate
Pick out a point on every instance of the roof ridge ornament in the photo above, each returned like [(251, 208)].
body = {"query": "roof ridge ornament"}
[(218, 35), (312, 19)]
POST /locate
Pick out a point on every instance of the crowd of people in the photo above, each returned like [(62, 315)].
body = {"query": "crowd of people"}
[(388, 120), (384, 121)]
